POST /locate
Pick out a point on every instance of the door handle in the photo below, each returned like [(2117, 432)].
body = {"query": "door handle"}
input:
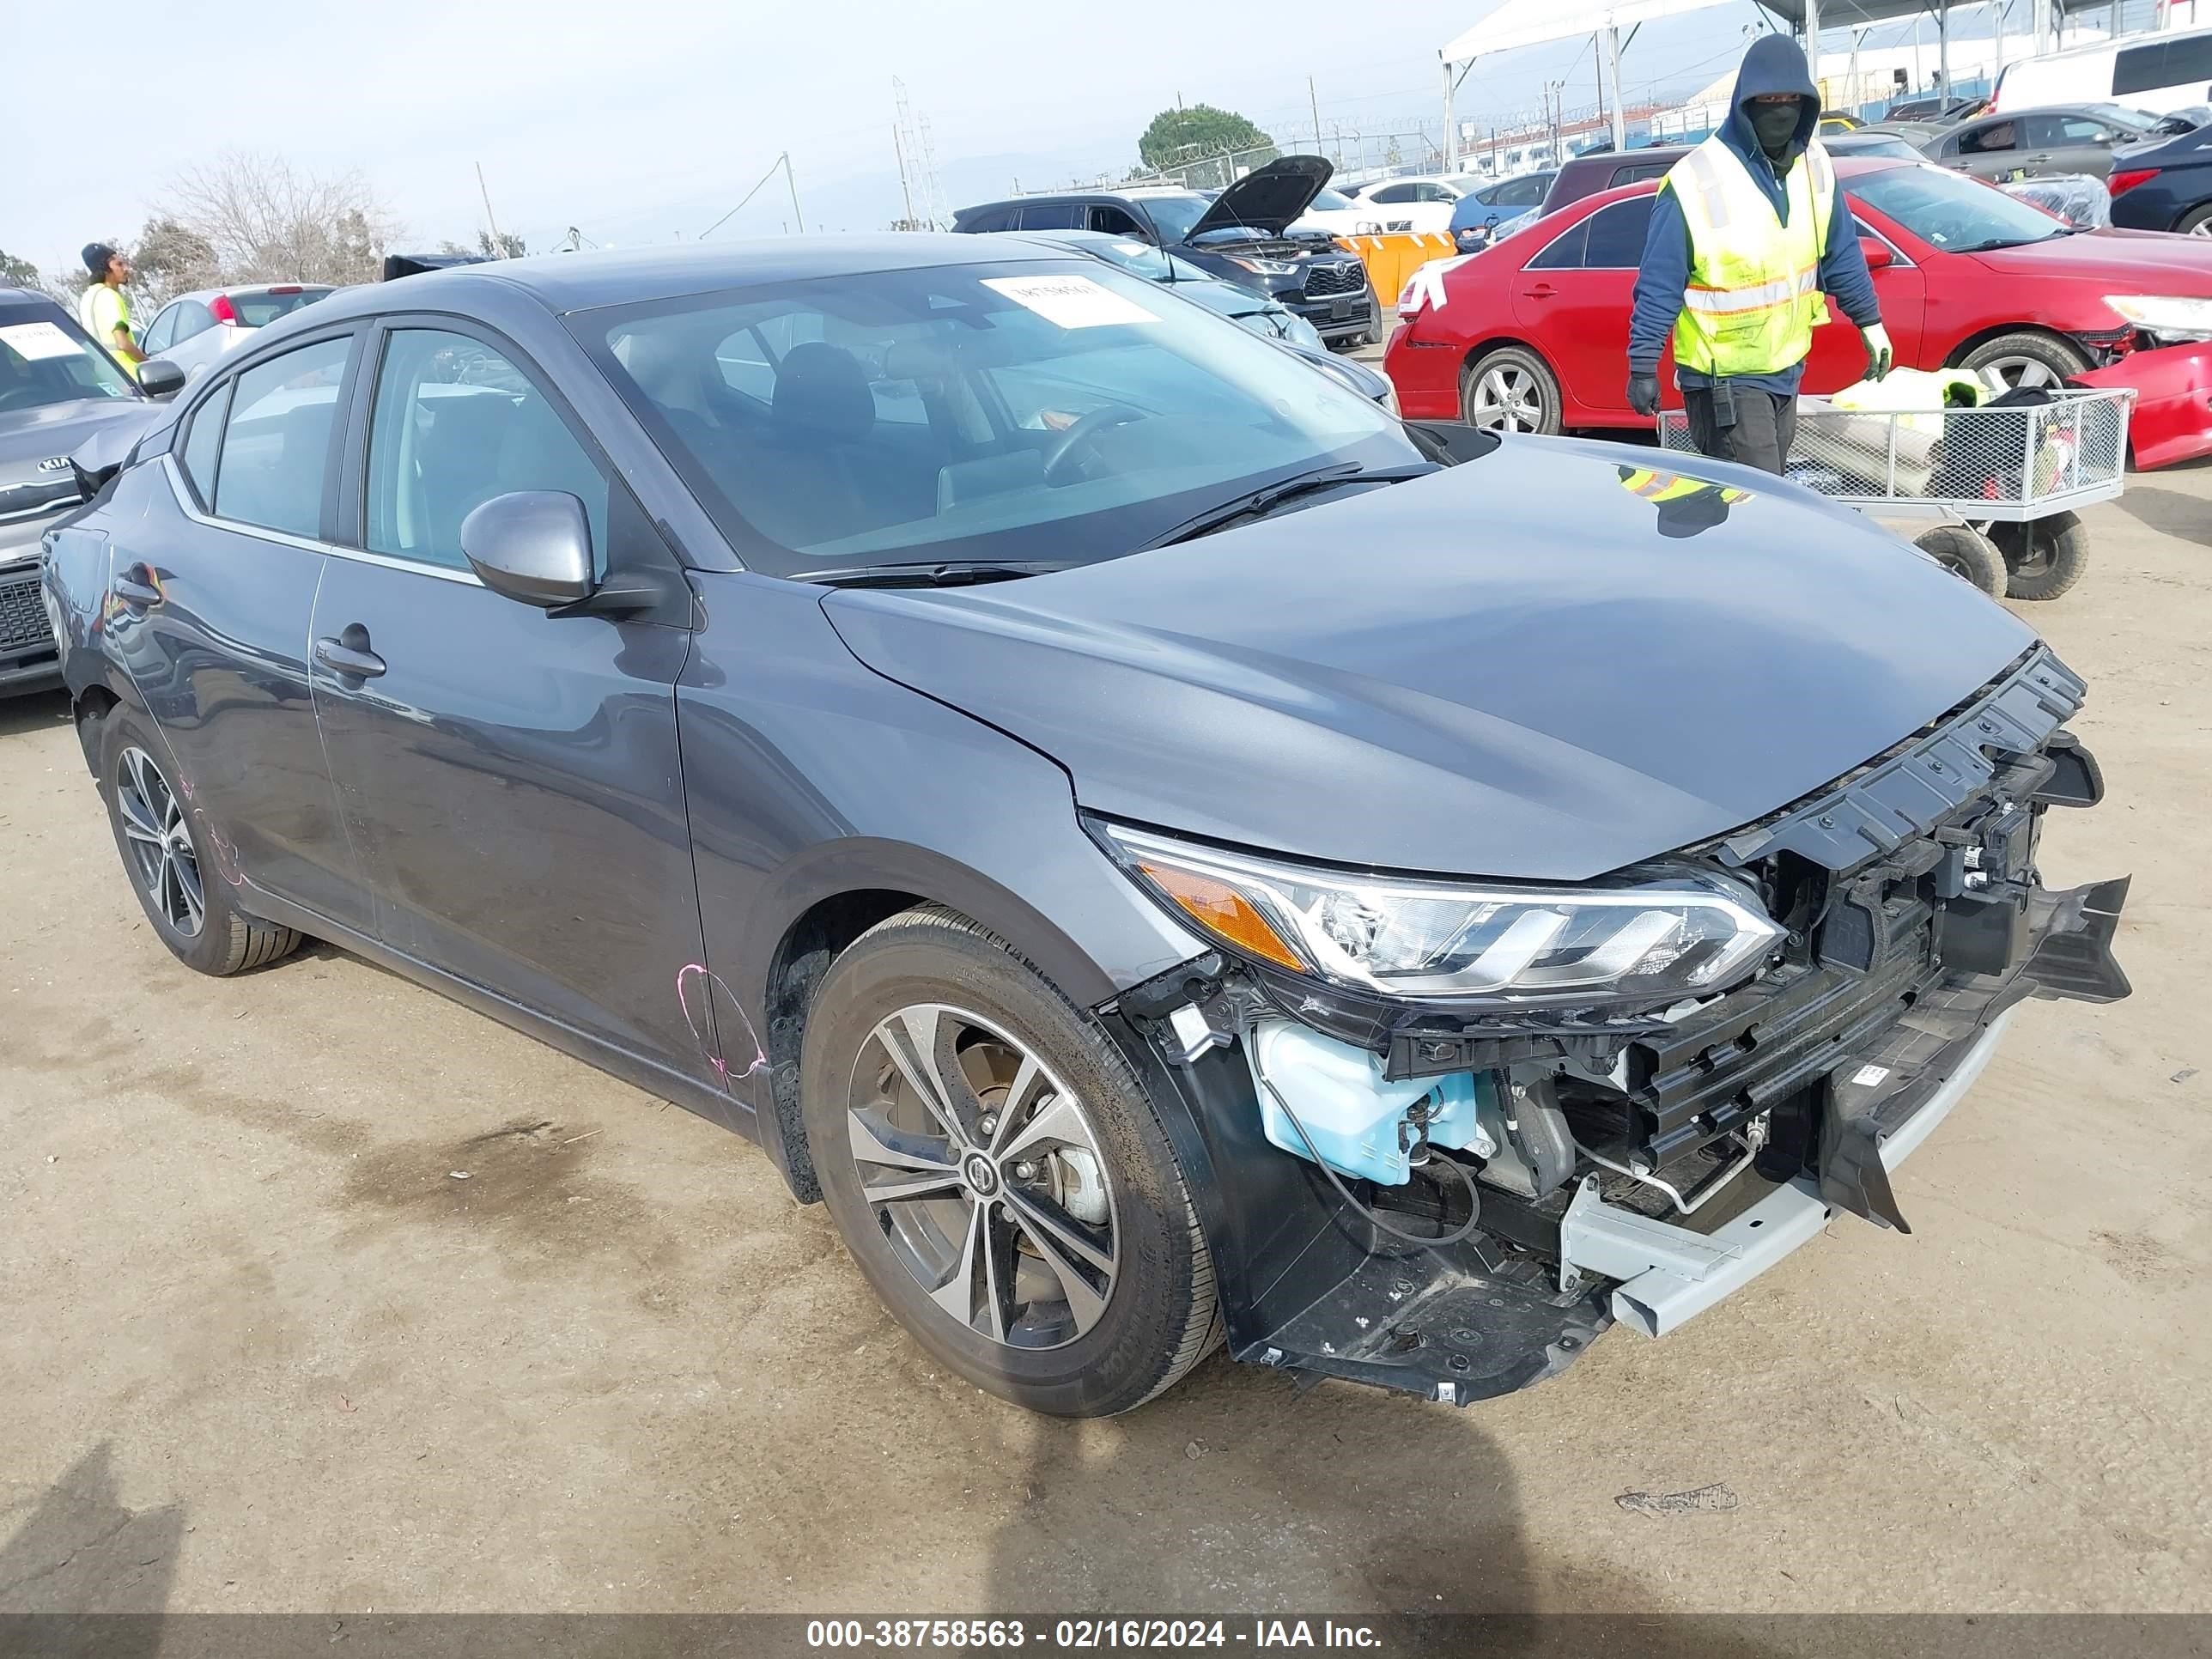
[(137, 587), (1541, 291), (349, 655)]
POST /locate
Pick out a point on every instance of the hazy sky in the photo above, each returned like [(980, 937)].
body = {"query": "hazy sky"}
[(641, 120)]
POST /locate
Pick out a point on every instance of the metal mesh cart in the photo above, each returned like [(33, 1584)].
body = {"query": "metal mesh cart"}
[(2015, 475)]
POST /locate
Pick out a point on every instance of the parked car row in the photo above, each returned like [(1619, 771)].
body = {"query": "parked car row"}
[(1527, 336)]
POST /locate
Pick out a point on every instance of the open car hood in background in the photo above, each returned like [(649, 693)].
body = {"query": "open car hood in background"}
[(1521, 667), (1268, 198)]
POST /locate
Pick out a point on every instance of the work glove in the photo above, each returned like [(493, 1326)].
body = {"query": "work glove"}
[(1644, 392), (1880, 356)]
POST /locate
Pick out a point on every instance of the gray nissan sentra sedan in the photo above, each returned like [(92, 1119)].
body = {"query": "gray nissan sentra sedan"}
[(1159, 847)]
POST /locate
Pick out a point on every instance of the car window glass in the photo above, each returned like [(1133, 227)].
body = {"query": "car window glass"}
[(1031, 411), (277, 441), (456, 423), (192, 318), (204, 443), (1052, 216), (1639, 172), (1519, 193), (2076, 129), (1392, 194), (998, 218), (1565, 251), (1615, 237), (2187, 58), (2140, 68), (1116, 221), (1983, 141), (164, 329)]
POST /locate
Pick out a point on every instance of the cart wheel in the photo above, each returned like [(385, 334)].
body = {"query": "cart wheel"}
[(2043, 558), (1966, 552)]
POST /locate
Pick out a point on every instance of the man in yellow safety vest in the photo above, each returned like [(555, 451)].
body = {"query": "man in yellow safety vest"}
[(105, 309), (1749, 231)]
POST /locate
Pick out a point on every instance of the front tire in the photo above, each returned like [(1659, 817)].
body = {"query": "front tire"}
[(173, 859), (1510, 389), (993, 1165)]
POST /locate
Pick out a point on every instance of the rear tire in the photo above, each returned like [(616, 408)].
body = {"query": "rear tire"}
[(166, 843), (1026, 1221), (1966, 552), (2044, 558), (2027, 357), (2198, 222), (1510, 389)]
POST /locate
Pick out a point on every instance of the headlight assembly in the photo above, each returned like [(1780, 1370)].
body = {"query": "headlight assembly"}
[(2165, 313), (1265, 267), (1450, 941)]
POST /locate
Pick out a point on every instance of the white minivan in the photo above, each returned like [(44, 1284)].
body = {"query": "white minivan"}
[(2160, 73)]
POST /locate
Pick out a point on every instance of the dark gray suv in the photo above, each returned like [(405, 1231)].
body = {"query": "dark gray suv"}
[(1159, 847)]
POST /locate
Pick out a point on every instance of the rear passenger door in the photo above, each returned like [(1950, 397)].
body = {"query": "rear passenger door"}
[(215, 591), (509, 777)]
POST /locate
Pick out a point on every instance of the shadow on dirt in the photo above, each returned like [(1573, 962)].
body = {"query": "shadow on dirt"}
[(81, 1549)]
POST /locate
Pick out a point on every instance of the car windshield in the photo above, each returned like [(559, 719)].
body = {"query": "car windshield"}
[(1054, 412), (46, 359), (1327, 201), (1174, 216), (1953, 212)]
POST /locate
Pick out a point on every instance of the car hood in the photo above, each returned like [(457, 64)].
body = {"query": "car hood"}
[(2155, 261), (1268, 197), (29, 437), (1523, 666)]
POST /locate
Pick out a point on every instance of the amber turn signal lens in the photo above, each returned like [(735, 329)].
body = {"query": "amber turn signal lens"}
[(1222, 910)]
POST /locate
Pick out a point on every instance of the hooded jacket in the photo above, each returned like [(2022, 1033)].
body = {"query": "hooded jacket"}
[(1772, 64)]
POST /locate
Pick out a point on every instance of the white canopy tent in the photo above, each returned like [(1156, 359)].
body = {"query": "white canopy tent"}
[(1518, 23)]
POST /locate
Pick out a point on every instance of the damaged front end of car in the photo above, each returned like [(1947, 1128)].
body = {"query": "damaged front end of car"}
[(1457, 1129)]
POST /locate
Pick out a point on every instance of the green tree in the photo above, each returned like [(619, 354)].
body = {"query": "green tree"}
[(17, 273), (1180, 135)]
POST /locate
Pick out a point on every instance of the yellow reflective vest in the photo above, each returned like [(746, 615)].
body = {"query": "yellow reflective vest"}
[(1753, 296), (102, 310)]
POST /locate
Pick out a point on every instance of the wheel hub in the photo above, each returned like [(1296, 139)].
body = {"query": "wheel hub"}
[(981, 1179)]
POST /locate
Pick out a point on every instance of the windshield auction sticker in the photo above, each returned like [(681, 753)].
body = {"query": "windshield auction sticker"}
[(1071, 301), (33, 341)]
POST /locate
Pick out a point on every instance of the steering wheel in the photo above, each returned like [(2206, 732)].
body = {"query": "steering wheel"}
[(1057, 468)]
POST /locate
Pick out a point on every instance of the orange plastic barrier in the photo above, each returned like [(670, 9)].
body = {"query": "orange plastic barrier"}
[(1392, 257)]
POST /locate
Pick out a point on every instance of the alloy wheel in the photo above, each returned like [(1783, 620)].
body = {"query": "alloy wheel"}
[(1506, 400), (162, 858), (2202, 228), (2017, 373), (984, 1175)]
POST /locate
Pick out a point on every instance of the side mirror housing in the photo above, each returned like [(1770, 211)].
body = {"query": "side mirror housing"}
[(159, 379), (1877, 252), (533, 546)]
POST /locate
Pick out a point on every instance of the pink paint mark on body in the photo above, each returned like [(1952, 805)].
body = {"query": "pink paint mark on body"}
[(726, 1008)]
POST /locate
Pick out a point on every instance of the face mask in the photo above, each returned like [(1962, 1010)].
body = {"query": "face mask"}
[(1775, 124)]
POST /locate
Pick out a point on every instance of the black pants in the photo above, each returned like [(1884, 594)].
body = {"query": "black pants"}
[(1764, 424)]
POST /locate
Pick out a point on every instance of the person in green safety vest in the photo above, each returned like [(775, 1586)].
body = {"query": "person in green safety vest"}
[(105, 309), (1687, 506), (1749, 231)]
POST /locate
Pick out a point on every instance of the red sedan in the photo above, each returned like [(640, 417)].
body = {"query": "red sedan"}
[(1531, 334)]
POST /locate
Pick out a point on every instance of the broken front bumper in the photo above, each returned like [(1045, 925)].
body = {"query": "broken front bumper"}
[(1309, 1287)]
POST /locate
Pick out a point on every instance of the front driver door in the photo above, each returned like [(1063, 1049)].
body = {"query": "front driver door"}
[(510, 778), (1573, 299)]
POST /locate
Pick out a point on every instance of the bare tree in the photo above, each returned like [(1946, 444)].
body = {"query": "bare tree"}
[(266, 221), (169, 259)]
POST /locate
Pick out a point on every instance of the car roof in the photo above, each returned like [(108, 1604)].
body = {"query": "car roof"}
[(613, 277), (207, 294), (1847, 168)]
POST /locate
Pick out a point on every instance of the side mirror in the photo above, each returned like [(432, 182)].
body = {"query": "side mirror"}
[(158, 379), (534, 546), (1878, 253)]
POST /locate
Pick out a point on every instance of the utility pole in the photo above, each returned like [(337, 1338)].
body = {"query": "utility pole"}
[(1451, 127), (906, 193), (1313, 102), (498, 247), (1619, 98), (791, 185)]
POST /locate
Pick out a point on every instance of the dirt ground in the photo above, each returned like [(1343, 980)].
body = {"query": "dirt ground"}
[(261, 1350)]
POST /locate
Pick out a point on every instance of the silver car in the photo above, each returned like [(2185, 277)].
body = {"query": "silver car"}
[(195, 330)]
